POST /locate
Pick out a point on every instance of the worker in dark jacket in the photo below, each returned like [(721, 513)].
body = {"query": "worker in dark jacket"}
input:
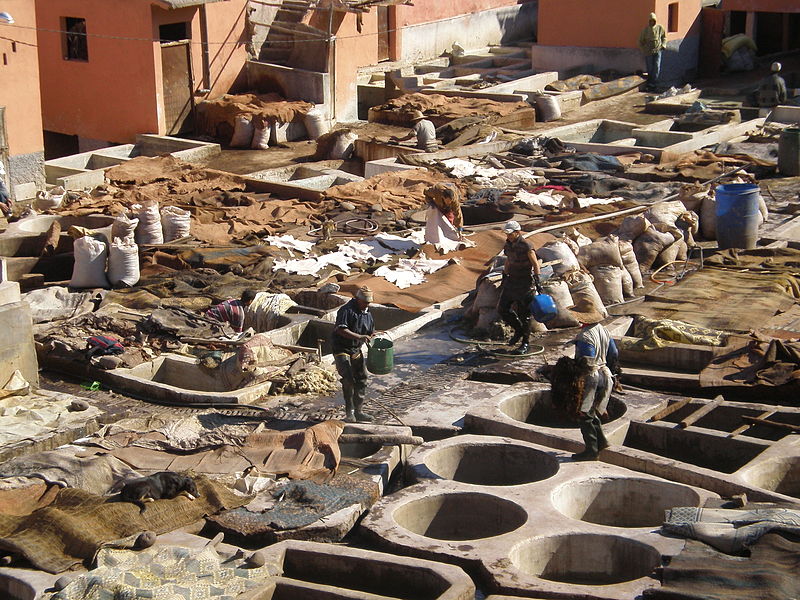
[(596, 355), (520, 272), (772, 89), (354, 327)]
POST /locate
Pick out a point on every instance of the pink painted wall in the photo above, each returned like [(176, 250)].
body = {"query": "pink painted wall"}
[(118, 92), (112, 97), (609, 23), (19, 90), (352, 50), (427, 11), (227, 48)]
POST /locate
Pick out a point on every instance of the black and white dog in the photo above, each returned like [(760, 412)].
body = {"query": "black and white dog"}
[(159, 486)]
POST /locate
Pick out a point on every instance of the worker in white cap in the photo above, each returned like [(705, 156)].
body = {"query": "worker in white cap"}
[(772, 89), (354, 327), (520, 273), (423, 129), (652, 41)]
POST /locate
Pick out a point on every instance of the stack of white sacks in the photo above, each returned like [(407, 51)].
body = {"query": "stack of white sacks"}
[(109, 257), (593, 275)]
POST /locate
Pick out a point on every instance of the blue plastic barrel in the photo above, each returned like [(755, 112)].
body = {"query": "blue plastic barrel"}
[(543, 308), (737, 215)]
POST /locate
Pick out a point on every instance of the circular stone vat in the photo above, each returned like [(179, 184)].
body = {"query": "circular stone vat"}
[(621, 501), (586, 559), (460, 516), (536, 408), (491, 464), (359, 450), (781, 475)]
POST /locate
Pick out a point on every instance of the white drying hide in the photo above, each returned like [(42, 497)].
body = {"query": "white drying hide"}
[(439, 232)]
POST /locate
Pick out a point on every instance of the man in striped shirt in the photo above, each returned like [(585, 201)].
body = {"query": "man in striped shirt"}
[(232, 311)]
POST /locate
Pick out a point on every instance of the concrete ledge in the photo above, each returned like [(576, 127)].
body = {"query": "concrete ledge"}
[(17, 351), (473, 509), (323, 571)]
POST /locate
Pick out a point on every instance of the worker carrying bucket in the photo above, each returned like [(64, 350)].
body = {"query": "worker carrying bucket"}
[(354, 327), (520, 274)]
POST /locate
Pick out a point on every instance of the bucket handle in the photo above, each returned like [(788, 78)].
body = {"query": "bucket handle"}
[(382, 335)]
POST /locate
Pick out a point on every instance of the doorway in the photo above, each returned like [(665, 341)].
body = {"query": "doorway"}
[(176, 71)]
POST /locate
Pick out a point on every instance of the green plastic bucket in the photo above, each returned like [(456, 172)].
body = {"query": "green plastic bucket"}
[(380, 357)]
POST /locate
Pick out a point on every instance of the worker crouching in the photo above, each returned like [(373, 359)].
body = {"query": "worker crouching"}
[(520, 273), (596, 355), (354, 327)]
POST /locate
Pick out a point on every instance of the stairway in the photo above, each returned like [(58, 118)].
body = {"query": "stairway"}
[(280, 40)]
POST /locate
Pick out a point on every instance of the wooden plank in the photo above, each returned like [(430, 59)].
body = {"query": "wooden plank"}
[(700, 413), (757, 421), (672, 408), (765, 415)]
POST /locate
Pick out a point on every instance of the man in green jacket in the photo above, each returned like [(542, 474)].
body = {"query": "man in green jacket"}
[(652, 42)]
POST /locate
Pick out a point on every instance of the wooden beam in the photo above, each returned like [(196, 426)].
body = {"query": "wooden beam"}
[(665, 412), (765, 415), (757, 421), (700, 413)]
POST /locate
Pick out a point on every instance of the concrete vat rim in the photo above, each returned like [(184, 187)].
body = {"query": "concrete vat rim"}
[(621, 502), (440, 516), (482, 463), (588, 560)]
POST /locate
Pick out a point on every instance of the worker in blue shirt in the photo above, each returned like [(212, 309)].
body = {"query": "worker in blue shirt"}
[(596, 354)]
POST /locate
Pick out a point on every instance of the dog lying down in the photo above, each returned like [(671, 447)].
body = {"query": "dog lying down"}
[(159, 486)]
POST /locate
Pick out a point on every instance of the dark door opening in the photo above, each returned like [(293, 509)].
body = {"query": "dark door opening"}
[(174, 32)]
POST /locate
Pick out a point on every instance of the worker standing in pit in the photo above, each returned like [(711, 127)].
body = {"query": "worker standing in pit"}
[(423, 130), (354, 327), (596, 355), (520, 272), (772, 89)]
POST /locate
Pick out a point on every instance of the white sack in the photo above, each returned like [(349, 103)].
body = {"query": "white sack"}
[(608, 282), (559, 292), (90, 264), (176, 223), (344, 147), (149, 229), (559, 251), (124, 227), (243, 130), (261, 137), (123, 262), (316, 123)]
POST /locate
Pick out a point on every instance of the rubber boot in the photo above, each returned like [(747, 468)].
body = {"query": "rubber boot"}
[(590, 452), (602, 442), (349, 411), (361, 417)]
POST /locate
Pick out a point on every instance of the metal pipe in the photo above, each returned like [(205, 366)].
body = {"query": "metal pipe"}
[(206, 52)]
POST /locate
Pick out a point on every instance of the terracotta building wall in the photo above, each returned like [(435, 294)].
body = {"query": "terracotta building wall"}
[(427, 11), (112, 96), (599, 23), (19, 92), (227, 52), (609, 23), (19, 70), (781, 6)]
